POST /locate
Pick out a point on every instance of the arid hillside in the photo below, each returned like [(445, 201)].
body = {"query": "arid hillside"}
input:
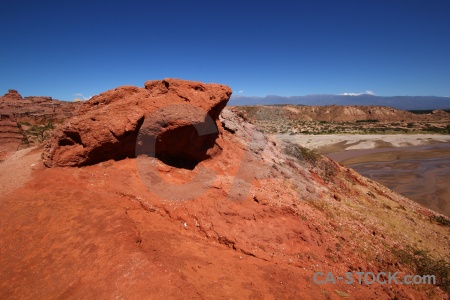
[(162, 192), (343, 119)]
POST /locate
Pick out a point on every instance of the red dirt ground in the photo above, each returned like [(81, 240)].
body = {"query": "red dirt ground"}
[(97, 232)]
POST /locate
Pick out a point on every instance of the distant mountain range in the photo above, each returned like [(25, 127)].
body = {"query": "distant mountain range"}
[(400, 102)]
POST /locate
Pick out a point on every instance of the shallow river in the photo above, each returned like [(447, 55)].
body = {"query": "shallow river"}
[(421, 173)]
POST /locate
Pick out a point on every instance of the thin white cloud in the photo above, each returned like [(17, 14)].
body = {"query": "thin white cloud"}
[(80, 97), (240, 92), (358, 94)]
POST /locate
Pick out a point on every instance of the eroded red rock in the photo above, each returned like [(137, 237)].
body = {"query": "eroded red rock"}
[(19, 114), (107, 125)]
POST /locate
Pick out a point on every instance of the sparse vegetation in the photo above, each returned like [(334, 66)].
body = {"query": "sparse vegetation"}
[(368, 121), (301, 153), (357, 127), (36, 133), (243, 115), (424, 264), (440, 220), (437, 129)]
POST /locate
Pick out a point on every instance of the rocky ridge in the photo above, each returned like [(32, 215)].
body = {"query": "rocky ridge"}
[(19, 114), (34, 109), (338, 113)]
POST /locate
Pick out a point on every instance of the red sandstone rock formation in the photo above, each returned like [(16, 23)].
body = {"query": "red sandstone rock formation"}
[(34, 109), (9, 132), (107, 125), (15, 111)]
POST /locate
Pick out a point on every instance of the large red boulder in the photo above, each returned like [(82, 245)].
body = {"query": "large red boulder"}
[(176, 114)]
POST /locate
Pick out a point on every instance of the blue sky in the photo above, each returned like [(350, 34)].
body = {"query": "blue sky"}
[(65, 49)]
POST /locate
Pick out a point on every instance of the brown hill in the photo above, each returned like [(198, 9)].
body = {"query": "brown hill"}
[(337, 113), (343, 119), (253, 218)]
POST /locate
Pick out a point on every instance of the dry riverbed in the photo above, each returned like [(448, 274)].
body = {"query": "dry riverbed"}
[(329, 143)]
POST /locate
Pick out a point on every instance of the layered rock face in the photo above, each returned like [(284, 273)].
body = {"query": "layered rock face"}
[(18, 114), (10, 133), (179, 121), (34, 109)]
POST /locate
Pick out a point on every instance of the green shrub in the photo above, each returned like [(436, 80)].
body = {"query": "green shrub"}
[(39, 132), (424, 264), (440, 220), (301, 153), (436, 129)]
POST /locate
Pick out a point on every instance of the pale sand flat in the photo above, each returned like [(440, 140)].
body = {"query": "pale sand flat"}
[(328, 143)]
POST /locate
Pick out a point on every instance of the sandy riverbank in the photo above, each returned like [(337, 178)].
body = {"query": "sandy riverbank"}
[(421, 173), (329, 143)]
